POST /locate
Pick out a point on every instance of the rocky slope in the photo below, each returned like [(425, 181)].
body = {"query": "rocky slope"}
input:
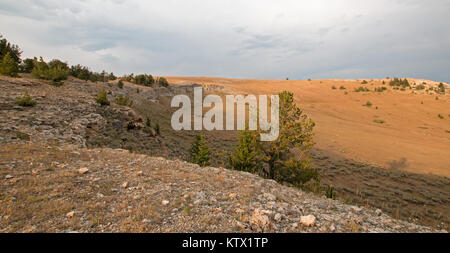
[(52, 180)]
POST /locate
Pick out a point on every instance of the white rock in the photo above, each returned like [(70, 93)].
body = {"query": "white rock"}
[(125, 185), (83, 170), (9, 176), (308, 220), (70, 214), (165, 202)]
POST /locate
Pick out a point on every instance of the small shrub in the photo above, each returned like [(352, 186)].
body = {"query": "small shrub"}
[(123, 100), (200, 153), (368, 104), (342, 87), (25, 100), (420, 87), (147, 122), (329, 192), (361, 89), (379, 121), (157, 129), (120, 84), (364, 82), (399, 82), (380, 89), (163, 82), (102, 99), (440, 116), (333, 87), (441, 88)]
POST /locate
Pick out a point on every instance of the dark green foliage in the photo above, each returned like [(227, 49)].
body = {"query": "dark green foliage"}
[(399, 82), (342, 87), (163, 82), (361, 89), (287, 158), (245, 156), (101, 98), (8, 66), (441, 88), (55, 70), (13, 50), (147, 122), (144, 79), (420, 87), (200, 153), (368, 104), (380, 89), (25, 100), (364, 82), (157, 129), (440, 116), (330, 193), (120, 84), (112, 77), (333, 87), (27, 65), (123, 100)]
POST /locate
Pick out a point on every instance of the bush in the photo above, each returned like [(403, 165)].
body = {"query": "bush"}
[(440, 116), (333, 87), (101, 98), (420, 87), (144, 79), (297, 172), (200, 153), (55, 70), (8, 66), (147, 122), (380, 89), (368, 104), (13, 50), (120, 84), (163, 82), (123, 100), (342, 87), (25, 100), (399, 82), (157, 129), (364, 82), (27, 65), (361, 89), (245, 156), (441, 88), (329, 192)]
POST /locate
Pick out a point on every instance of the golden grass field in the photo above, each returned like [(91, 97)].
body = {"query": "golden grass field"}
[(400, 130)]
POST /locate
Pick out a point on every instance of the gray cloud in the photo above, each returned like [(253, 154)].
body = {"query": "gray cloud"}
[(253, 38)]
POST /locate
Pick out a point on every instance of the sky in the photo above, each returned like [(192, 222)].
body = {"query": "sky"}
[(321, 39)]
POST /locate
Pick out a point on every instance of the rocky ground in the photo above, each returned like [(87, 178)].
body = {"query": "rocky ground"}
[(53, 179)]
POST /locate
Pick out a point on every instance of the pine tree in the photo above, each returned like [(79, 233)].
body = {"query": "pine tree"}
[(101, 98), (8, 66), (246, 155), (200, 153), (288, 157)]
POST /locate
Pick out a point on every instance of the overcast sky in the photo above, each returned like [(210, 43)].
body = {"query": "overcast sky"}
[(242, 39)]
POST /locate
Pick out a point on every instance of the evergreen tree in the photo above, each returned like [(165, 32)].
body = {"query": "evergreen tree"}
[(101, 98), (8, 66), (294, 141), (13, 50), (163, 82), (246, 155), (120, 84), (200, 153)]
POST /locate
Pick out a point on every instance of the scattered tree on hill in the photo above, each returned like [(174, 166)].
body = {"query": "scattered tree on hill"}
[(246, 154), (163, 82), (399, 82), (8, 66), (13, 50), (200, 153), (120, 84), (101, 98), (441, 88), (55, 70), (27, 65)]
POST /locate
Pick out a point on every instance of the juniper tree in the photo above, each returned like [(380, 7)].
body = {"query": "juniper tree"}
[(288, 157), (101, 98), (8, 66), (200, 153), (246, 154)]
